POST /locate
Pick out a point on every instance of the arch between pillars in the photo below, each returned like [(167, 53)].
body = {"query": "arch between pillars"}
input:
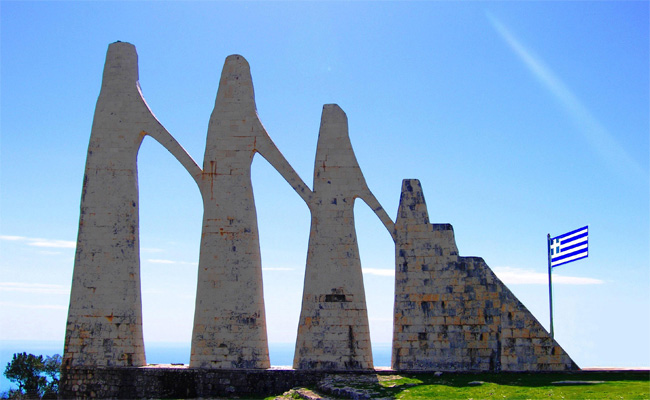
[(168, 261), (283, 225), (378, 267)]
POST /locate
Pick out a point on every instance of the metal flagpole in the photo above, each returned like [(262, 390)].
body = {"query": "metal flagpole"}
[(550, 284)]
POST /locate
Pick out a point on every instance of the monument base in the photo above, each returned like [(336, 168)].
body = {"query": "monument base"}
[(167, 381)]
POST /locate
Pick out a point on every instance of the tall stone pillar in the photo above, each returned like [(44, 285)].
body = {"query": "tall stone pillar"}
[(333, 332), (104, 325), (229, 321)]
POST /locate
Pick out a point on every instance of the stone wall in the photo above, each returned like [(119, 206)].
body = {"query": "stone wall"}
[(170, 382), (452, 313)]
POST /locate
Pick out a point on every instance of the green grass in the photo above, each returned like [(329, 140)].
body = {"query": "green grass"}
[(528, 386), (615, 386)]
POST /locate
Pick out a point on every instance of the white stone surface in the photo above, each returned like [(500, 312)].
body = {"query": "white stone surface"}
[(229, 322), (333, 332), (104, 326), (451, 312), (105, 317)]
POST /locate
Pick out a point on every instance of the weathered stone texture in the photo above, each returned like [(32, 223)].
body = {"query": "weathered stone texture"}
[(172, 382), (104, 326), (333, 331), (452, 313), (105, 317), (229, 322)]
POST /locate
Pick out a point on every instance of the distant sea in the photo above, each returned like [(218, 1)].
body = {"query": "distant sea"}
[(281, 354)]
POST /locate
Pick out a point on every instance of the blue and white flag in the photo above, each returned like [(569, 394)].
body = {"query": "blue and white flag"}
[(571, 246)]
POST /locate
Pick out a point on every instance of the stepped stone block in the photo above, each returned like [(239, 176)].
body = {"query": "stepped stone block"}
[(452, 313)]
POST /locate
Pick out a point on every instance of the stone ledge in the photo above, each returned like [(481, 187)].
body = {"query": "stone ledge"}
[(165, 381)]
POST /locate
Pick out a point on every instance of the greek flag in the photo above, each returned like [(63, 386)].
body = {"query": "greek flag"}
[(571, 246)]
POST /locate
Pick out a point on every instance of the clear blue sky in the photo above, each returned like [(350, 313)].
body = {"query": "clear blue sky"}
[(519, 119)]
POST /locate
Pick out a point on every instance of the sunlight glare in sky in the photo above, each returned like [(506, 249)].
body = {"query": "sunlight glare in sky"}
[(596, 135)]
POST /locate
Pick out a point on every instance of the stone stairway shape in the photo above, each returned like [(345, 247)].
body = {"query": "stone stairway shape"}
[(452, 313)]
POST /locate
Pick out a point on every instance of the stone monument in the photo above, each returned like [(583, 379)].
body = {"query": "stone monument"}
[(229, 319), (104, 326), (333, 332), (451, 312)]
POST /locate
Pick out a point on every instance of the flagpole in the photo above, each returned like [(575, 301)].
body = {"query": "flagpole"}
[(550, 283)]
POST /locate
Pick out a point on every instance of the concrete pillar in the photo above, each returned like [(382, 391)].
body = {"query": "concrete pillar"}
[(104, 325), (229, 321), (333, 332)]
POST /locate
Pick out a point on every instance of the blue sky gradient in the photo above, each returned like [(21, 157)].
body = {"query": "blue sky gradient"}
[(519, 118)]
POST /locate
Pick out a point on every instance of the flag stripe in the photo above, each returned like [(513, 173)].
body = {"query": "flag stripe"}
[(574, 238), (567, 255), (573, 246), (571, 233), (568, 261), (564, 261)]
